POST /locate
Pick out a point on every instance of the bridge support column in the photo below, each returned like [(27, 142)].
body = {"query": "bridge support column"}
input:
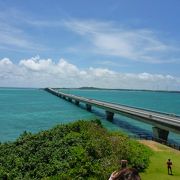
[(76, 102), (88, 107), (63, 97), (109, 115), (160, 134), (69, 99)]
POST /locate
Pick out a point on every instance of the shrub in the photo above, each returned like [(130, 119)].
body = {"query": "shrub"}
[(79, 150)]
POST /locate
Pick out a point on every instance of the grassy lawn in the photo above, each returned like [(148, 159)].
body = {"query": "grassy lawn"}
[(158, 169)]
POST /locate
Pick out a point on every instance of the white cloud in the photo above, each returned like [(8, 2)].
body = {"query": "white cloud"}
[(114, 39), (37, 72), (134, 44), (36, 64), (5, 61), (100, 72)]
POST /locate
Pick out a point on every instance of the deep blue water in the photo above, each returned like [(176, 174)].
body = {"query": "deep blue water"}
[(34, 110)]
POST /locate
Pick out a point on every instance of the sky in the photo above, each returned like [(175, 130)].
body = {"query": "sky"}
[(101, 43)]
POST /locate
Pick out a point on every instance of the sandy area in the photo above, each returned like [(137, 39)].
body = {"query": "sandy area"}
[(157, 146)]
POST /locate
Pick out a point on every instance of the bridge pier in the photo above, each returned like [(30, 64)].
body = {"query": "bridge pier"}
[(109, 115), (160, 134), (69, 99), (88, 107), (76, 102)]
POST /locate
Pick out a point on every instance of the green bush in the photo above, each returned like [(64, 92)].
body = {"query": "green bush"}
[(79, 150)]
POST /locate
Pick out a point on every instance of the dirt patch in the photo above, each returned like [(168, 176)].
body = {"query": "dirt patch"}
[(152, 144), (158, 147)]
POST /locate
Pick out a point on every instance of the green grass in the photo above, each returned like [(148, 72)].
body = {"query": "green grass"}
[(157, 169)]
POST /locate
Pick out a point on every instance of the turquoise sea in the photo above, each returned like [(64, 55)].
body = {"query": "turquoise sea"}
[(34, 110)]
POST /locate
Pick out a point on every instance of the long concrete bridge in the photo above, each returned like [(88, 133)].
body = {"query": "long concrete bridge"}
[(162, 122)]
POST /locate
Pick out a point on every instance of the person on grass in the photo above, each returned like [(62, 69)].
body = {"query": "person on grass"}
[(169, 166)]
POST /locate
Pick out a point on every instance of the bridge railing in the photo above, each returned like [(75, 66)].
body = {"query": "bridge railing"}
[(138, 108)]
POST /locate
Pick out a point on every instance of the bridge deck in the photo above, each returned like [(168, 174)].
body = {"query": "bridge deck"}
[(165, 121)]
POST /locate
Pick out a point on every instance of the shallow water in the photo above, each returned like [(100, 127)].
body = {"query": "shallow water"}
[(33, 110)]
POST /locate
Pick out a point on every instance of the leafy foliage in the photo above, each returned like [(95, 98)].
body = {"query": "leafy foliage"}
[(78, 150)]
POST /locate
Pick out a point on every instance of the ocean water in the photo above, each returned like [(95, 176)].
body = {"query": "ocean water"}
[(34, 110)]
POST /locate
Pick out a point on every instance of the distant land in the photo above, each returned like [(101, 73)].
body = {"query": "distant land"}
[(95, 88)]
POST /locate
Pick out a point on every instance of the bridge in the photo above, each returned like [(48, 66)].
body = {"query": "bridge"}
[(162, 122)]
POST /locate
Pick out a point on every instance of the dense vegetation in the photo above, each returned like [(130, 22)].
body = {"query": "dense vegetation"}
[(79, 150)]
